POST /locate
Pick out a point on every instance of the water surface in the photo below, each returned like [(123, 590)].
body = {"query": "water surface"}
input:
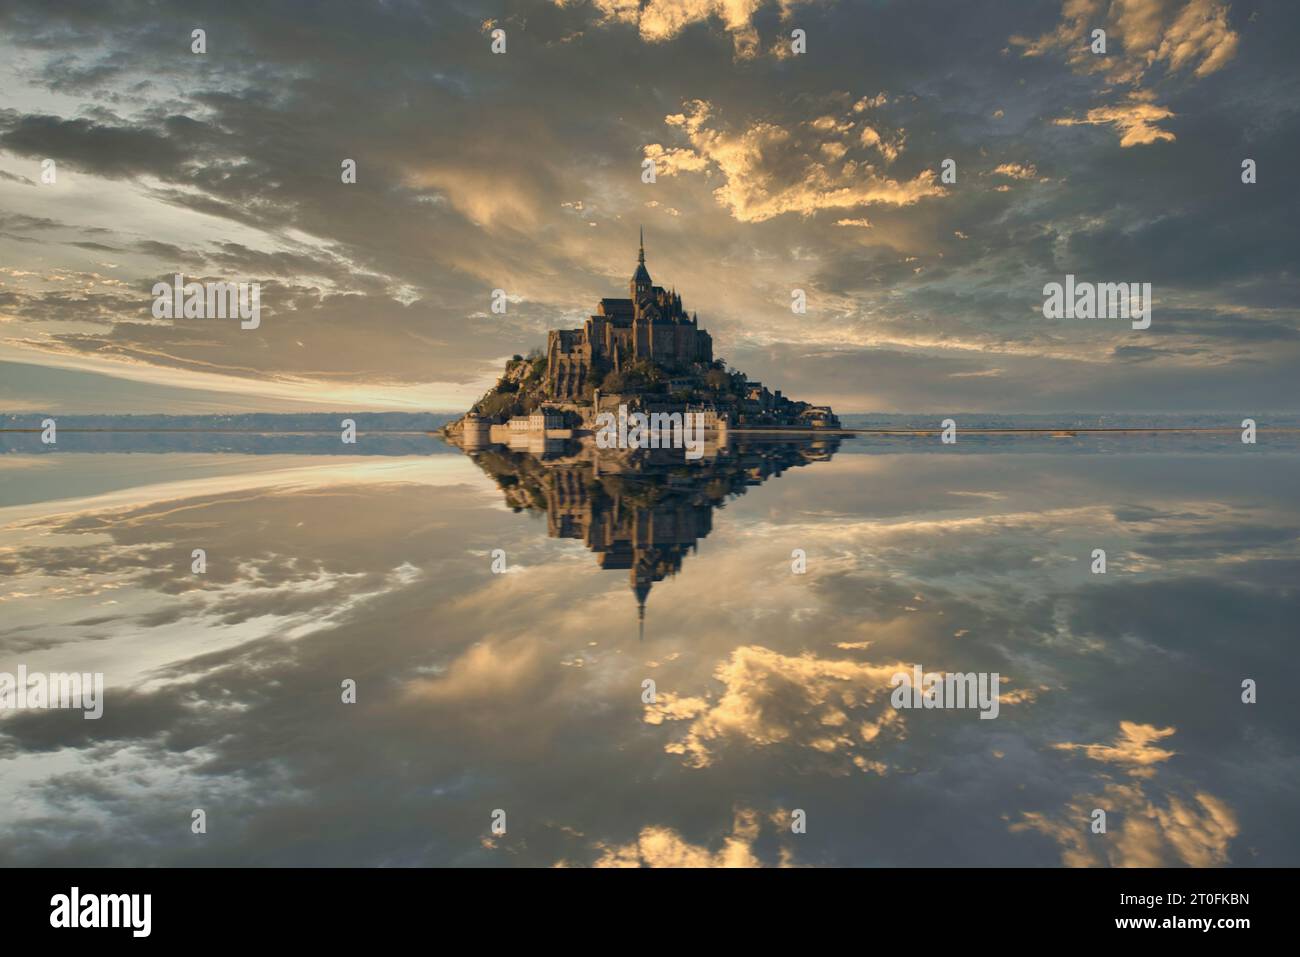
[(523, 691)]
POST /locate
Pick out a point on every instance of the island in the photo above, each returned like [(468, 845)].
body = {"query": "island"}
[(643, 354)]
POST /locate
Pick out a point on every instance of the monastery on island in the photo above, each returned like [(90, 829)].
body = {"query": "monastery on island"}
[(643, 352)]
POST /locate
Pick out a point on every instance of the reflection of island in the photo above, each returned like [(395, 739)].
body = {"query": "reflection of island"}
[(642, 509)]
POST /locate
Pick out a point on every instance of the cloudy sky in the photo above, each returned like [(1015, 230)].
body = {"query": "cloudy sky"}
[(776, 171)]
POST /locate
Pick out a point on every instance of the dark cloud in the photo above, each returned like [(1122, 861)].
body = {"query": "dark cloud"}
[(104, 150)]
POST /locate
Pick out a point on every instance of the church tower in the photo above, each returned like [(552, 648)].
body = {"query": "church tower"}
[(639, 287)]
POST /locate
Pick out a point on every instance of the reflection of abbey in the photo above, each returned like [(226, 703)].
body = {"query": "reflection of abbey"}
[(640, 514), (649, 541), (650, 325)]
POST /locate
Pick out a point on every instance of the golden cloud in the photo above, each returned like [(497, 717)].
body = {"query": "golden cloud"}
[(660, 20), (1141, 35), (1136, 119), (1017, 170), (768, 169)]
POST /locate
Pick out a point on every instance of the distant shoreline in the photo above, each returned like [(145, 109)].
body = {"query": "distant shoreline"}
[(241, 431), (1063, 430)]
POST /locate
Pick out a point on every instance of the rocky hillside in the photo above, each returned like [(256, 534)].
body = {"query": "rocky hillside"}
[(520, 390)]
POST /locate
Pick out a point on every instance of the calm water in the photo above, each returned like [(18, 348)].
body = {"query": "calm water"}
[(523, 691)]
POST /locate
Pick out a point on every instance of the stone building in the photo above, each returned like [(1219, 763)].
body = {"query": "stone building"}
[(539, 420), (649, 325)]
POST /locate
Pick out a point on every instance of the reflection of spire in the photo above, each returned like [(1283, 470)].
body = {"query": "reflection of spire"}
[(642, 579), (640, 619)]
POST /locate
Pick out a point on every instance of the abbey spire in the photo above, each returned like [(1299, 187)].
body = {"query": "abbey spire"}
[(640, 286), (650, 326)]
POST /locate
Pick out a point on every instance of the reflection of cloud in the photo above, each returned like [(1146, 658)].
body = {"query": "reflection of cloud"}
[(1134, 746), (1195, 830), (321, 550), (671, 707), (664, 847), (484, 671), (771, 698)]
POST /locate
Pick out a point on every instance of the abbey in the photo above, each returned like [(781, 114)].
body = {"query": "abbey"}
[(649, 325), (644, 352)]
